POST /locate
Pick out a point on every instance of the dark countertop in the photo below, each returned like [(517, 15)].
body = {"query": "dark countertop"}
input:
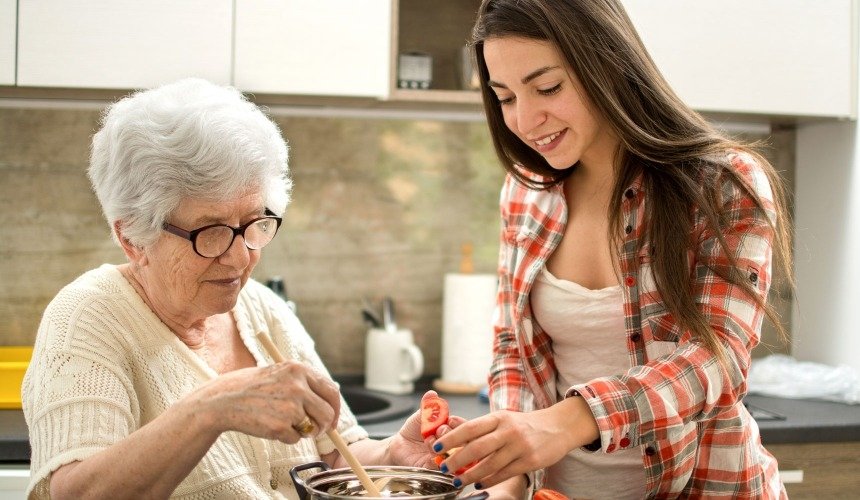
[(779, 420), (798, 421)]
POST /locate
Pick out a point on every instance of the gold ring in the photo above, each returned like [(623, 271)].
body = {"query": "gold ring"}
[(306, 427)]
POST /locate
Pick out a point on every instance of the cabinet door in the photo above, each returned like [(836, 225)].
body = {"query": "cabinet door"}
[(791, 57), (316, 47), (8, 21), (123, 43)]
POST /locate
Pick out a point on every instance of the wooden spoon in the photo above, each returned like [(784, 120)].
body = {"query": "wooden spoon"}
[(332, 434)]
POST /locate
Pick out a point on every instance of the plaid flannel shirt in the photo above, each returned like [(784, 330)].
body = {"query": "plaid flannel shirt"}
[(677, 403)]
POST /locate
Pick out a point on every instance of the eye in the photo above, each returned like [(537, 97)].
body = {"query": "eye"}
[(504, 100), (550, 91)]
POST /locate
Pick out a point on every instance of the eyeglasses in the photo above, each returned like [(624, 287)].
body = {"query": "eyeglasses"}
[(214, 240)]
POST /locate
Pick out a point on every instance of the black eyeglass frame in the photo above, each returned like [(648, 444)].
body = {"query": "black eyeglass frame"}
[(237, 231)]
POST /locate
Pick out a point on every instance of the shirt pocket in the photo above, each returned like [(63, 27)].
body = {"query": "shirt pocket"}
[(662, 334), (518, 239)]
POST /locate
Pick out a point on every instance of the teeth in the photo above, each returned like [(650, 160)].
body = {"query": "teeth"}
[(547, 140)]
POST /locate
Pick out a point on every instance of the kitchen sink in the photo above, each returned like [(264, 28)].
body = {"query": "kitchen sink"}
[(373, 407)]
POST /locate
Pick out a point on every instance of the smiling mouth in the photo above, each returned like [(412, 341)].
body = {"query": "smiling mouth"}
[(546, 141)]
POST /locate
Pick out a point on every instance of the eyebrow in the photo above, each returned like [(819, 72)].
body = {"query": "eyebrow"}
[(208, 219), (531, 76)]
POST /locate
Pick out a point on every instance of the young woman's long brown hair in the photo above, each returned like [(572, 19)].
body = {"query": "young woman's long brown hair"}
[(681, 157)]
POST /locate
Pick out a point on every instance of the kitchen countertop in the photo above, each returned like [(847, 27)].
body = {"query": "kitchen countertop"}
[(780, 420), (797, 421)]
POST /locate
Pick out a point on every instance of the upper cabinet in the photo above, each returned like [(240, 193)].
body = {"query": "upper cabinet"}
[(325, 47), (769, 57), (122, 44), (774, 57), (8, 20)]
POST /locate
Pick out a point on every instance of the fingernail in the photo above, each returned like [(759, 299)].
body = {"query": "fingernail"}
[(437, 447), (478, 486), (458, 483), (443, 468)]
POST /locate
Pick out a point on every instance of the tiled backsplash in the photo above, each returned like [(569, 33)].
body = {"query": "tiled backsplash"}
[(380, 207)]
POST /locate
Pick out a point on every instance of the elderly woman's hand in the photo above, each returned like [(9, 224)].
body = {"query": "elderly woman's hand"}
[(270, 401), (409, 448)]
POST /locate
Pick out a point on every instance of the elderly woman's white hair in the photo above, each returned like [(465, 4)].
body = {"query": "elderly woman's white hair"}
[(189, 139)]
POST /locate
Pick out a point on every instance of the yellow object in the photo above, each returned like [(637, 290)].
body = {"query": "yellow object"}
[(13, 364)]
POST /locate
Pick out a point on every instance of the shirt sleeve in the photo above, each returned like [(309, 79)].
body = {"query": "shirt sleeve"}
[(77, 393), (659, 400)]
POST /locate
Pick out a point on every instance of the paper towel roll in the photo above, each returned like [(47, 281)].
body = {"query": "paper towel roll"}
[(467, 329)]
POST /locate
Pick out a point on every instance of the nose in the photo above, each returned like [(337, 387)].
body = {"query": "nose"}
[(238, 255), (529, 115)]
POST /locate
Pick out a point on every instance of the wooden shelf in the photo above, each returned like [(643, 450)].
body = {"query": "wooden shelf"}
[(437, 96), (441, 30)]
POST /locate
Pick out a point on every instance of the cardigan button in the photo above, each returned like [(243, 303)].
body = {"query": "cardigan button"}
[(650, 451), (625, 442), (629, 193), (630, 281), (628, 229), (635, 337)]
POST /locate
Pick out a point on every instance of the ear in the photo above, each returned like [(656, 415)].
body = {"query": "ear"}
[(135, 254)]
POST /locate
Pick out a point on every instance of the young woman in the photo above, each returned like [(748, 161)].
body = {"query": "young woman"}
[(635, 263)]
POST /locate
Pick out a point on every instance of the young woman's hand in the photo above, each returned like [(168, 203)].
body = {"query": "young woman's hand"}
[(506, 444)]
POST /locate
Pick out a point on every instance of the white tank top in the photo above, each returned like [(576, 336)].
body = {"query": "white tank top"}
[(588, 341)]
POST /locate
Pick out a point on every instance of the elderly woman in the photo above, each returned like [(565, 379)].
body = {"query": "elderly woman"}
[(147, 378)]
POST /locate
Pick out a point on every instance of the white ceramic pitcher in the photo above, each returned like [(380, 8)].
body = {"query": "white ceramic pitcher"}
[(392, 362)]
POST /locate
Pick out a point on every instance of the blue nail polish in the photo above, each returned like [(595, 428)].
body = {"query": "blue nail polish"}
[(443, 468), (437, 447), (458, 483), (478, 486)]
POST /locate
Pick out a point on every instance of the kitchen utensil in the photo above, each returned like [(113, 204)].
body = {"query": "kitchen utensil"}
[(388, 315), (407, 482), (392, 361), (370, 315), (276, 284), (332, 434)]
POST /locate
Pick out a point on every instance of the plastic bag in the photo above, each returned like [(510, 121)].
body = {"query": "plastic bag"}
[(783, 376)]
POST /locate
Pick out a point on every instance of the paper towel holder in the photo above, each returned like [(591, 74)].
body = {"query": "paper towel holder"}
[(453, 380), (466, 264)]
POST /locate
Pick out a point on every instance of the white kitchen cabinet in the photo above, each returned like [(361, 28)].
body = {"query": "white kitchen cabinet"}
[(8, 21), (13, 481), (776, 57), (122, 43), (320, 47)]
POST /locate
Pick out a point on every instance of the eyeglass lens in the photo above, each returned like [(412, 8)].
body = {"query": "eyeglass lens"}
[(214, 241)]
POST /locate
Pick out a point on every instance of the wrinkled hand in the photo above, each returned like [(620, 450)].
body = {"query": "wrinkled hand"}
[(268, 401), (410, 449), (506, 444)]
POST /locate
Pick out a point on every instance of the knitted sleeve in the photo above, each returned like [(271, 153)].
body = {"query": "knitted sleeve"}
[(77, 394)]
